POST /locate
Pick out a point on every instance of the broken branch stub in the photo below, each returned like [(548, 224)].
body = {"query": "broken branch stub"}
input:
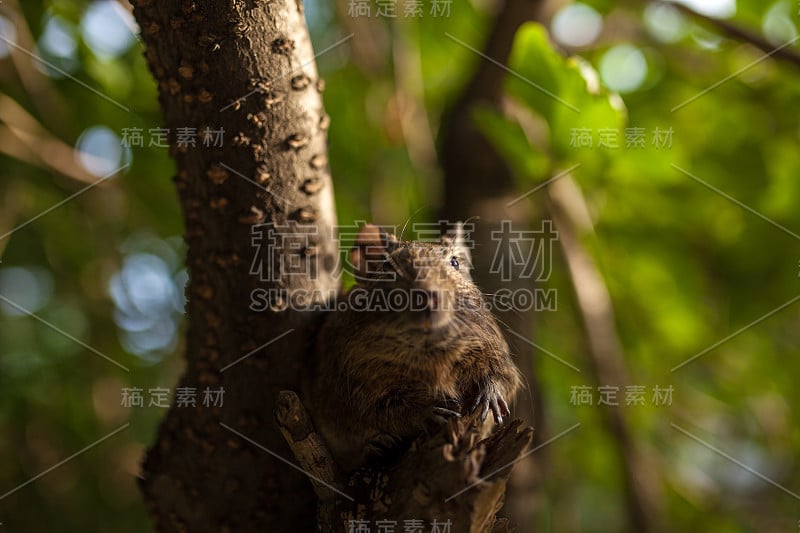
[(454, 475)]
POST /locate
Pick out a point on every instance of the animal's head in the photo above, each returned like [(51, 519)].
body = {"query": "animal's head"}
[(426, 283)]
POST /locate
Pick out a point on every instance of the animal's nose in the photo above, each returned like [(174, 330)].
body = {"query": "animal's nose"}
[(432, 300), (426, 300)]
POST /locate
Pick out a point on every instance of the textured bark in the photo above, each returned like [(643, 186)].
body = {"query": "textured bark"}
[(247, 66), (454, 477), (198, 475)]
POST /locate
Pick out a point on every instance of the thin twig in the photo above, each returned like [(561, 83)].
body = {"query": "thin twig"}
[(605, 354), (736, 32)]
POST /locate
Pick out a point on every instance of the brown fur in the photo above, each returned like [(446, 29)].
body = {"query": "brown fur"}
[(378, 375)]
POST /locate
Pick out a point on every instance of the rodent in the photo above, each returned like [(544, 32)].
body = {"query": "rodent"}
[(380, 378)]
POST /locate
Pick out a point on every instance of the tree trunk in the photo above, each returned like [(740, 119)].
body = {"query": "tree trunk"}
[(246, 67), (259, 228)]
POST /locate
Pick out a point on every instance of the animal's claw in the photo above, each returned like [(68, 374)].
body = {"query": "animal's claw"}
[(489, 398), (445, 412), (442, 413)]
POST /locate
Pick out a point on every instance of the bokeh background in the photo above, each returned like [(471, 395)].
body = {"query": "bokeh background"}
[(695, 231)]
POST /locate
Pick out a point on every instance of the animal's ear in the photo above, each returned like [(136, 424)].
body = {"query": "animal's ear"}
[(456, 238), (370, 250)]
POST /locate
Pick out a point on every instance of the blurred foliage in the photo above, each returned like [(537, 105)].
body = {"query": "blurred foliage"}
[(686, 266)]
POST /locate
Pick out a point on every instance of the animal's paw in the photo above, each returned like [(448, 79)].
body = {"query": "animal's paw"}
[(384, 447), (489, 398)]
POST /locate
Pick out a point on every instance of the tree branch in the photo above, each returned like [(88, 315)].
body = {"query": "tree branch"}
[(643, 488), (735, 32), (24, 138), (307, 446)]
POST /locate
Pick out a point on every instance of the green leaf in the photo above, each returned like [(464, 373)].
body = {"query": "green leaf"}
[(538, 72), (564, 91), (509, 139)]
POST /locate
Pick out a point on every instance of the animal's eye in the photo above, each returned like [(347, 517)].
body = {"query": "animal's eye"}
[(454, 262)]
